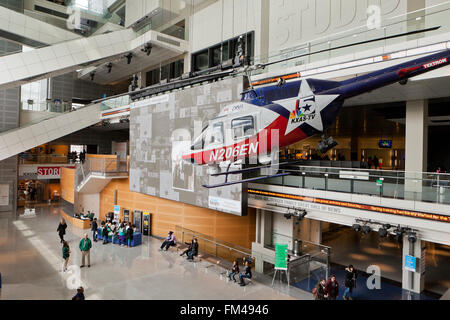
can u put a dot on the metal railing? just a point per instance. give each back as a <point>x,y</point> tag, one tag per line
<point>213,246</point>
<point>416,186</point>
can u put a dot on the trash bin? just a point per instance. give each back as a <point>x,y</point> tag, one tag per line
<point>296,248</point>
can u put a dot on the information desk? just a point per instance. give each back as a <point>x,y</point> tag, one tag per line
<point>137,238</point>
<point>76,222</point>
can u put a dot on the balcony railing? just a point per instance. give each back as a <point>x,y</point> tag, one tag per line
<point>416,186</point>
<point>100,167</point>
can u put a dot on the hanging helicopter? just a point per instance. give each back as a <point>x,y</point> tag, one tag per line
<point>288,113</point>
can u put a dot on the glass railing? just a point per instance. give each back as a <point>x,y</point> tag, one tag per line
<point>100,167</point>
<point>416,186</point>
<point>29,158</point>
<point>116,102</point>
<point>47,106</point>
<point>351,42</point>
<point>212,246</point>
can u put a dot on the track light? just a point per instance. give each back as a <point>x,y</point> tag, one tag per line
<point>356,227</point>
<point>382,232</point>
<point>109,66</point>
<point>92,75</point>
<point>129,56</point>
<point>147,48</point>
<point>365,229</point>
<point>287,215</point>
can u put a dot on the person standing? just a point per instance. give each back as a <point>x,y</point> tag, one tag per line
<point>130,232</point>
<point>105,233</point>
<point>79,295</point>
<point>94,229</point>
<point>65,255</point>
<point>332,288</point>
<point>194,250</point>
<point>350,282</point>
<point>85,247</point>
<point>62,229</point>
<point>319,290</point>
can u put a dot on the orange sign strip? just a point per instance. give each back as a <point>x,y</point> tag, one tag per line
<point>401,212</point>
<point>272,80</point>
<point>114,112</point>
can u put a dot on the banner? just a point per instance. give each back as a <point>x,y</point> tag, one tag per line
<point>116,213</point>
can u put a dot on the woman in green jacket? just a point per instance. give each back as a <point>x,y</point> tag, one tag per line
<point>66,255</point>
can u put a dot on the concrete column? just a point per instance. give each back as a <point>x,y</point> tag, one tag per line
<point>308,230</point>
<point>414,281</point>
<point>416,143</point>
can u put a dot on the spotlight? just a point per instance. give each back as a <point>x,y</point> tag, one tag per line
<point>412,237</point>
<point>365,229</point>
<point>92,74</point>
<point>109,66</point>
<point>382,232</point>
<point>387,226</point>
<point>281,82</point>
<point>356,227</point>
<point>302,214</point>
<point>287,215</point>
<point>147,48</point>
<point>129,56</point>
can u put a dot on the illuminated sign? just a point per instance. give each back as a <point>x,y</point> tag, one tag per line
<point>351,205</point>
<point>385,143</point>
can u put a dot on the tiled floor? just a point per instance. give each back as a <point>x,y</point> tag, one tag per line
<point>31,261</point>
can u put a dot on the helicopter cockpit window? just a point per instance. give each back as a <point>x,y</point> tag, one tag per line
<point>215,134</point>
<point>243,127</point>
<point>199,143</point>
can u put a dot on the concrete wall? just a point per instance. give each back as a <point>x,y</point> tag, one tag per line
<point>9,116</point>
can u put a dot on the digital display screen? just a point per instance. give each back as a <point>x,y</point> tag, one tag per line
<point>385,143</point>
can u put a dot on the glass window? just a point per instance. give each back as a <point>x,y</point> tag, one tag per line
<point>215,135</point>
<point>243,127</point>
<point>201,61</point>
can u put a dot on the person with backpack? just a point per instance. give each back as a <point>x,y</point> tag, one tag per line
<point>169,241</point>
<point>319,290</point>
<point>350,282</point>
<point>332,288</point>
<point>62,229</point>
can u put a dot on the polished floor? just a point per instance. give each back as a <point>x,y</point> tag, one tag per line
<point>31,263</point>
<point>365,250</point>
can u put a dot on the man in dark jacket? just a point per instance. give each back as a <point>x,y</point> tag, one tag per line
<point>94,229</point>
<point>79,295</point>
<point>350,282</point>
<point>332,288</point>
<point>62,229</point>
<point>247,274</point>
<point>194,250</point>
<point>320,291</point>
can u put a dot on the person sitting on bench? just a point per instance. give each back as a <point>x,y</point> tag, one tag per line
<point>170,241</point>
<point>234,271</point>
<point>247,274</point>
<point>194,250</point>
<point>188,249</point>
